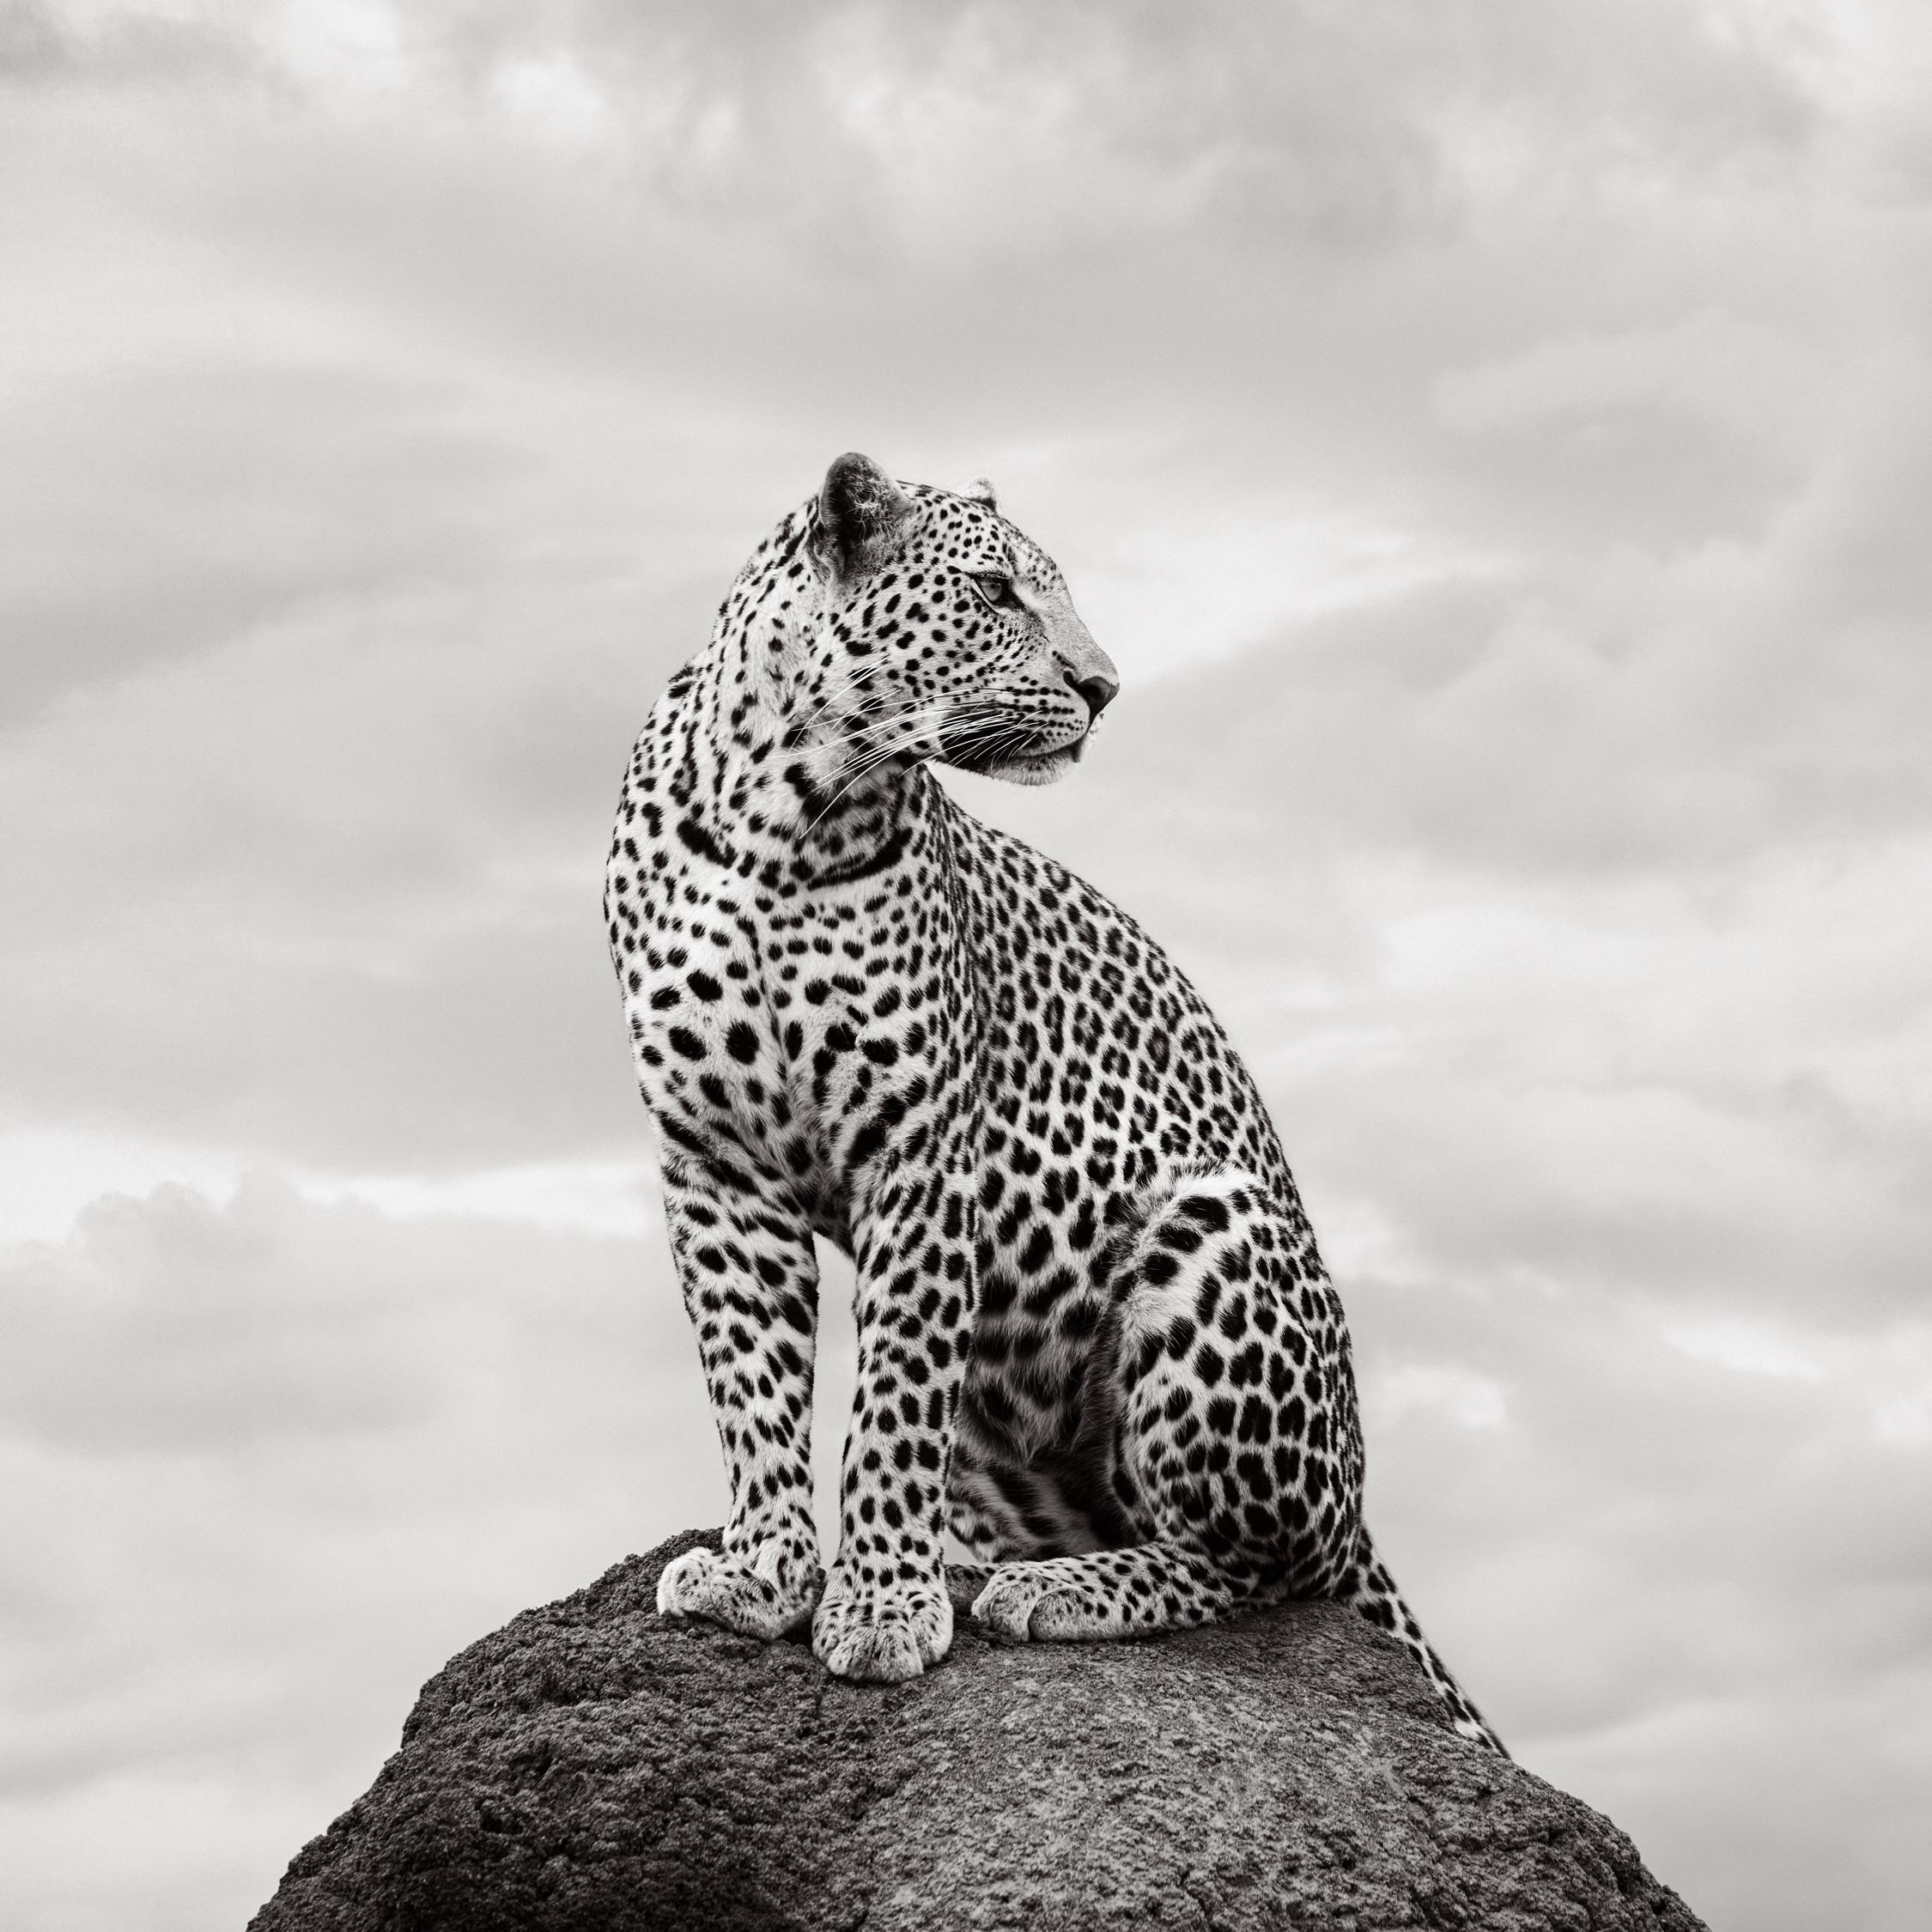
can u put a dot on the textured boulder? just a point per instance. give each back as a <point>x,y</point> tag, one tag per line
<point>594,1766</point>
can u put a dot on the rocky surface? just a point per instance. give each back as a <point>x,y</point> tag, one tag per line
<point>597,1767</point>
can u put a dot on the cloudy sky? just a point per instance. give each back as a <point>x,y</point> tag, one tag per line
<point>1494,438</point>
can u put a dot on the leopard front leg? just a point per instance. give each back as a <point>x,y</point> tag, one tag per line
<point>750,1279</point>
<point>1229,1428</point>
<point>886,1613</point>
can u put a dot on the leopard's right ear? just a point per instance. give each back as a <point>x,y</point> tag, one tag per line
<point>859,508</point>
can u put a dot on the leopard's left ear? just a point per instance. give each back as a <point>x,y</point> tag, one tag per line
<point>980,490</point>
<point>859,507</point>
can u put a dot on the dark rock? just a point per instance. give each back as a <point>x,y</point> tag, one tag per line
<point>596,1767</point>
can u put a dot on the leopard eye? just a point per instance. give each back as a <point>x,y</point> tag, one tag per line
<point>997,590</point>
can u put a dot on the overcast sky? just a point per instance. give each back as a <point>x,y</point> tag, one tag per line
<point>1494,439</point>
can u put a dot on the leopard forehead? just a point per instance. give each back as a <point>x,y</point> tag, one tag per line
<point>970,536</point>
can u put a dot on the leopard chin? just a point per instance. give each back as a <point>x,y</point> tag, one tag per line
<point>1031,767</point>
<point>1045,769</point>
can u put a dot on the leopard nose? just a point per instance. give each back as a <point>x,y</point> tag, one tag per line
<point>1097,693</point>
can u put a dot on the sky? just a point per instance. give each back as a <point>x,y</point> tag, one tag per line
<point>1494,441</point>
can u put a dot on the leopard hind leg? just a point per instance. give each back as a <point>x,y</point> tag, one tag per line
<point>1225,1422</point>
<point>1221,1410</point>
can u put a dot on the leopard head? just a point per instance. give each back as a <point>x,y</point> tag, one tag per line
<point>947,635</point>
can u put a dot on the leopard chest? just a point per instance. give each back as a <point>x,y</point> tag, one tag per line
<point>809,1033</point>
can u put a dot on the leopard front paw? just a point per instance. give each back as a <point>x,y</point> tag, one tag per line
<point>882,1633</point>
<point>771,1592</point>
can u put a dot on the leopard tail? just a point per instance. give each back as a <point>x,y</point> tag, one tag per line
<point>1369,1590</point>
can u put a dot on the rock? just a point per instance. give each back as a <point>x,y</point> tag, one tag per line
<point>597,1767</point>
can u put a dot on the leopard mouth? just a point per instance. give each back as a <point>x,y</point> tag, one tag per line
<point>1054,754</point>
<point>1040,756</point>
<point>1039,764</point>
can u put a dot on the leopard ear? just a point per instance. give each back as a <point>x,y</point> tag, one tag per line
<point>859,507</point>
<point>980,490</point>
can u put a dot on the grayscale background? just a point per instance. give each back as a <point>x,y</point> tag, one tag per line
<point>1494,438</point>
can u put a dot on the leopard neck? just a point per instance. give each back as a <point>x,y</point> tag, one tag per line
<point>742,753</point>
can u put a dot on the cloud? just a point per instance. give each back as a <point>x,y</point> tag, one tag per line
<point>44,42</point>
<point>161,1333</point>
<point>267,1466</point>
<point>1769,1848</point>
<point>1632,708</point>
<point>331,844</point>
<point>158,515</point>
<point>1706,364</point>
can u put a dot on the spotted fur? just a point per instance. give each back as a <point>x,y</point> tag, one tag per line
<point>1096,1339</point>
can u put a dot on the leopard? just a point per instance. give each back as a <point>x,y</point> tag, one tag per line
<point>1097,1348</point>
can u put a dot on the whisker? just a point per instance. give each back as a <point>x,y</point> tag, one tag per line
<point>838,688</point>
<point>915,717</point>
<point>865,767</point>
<point>886,717</point>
